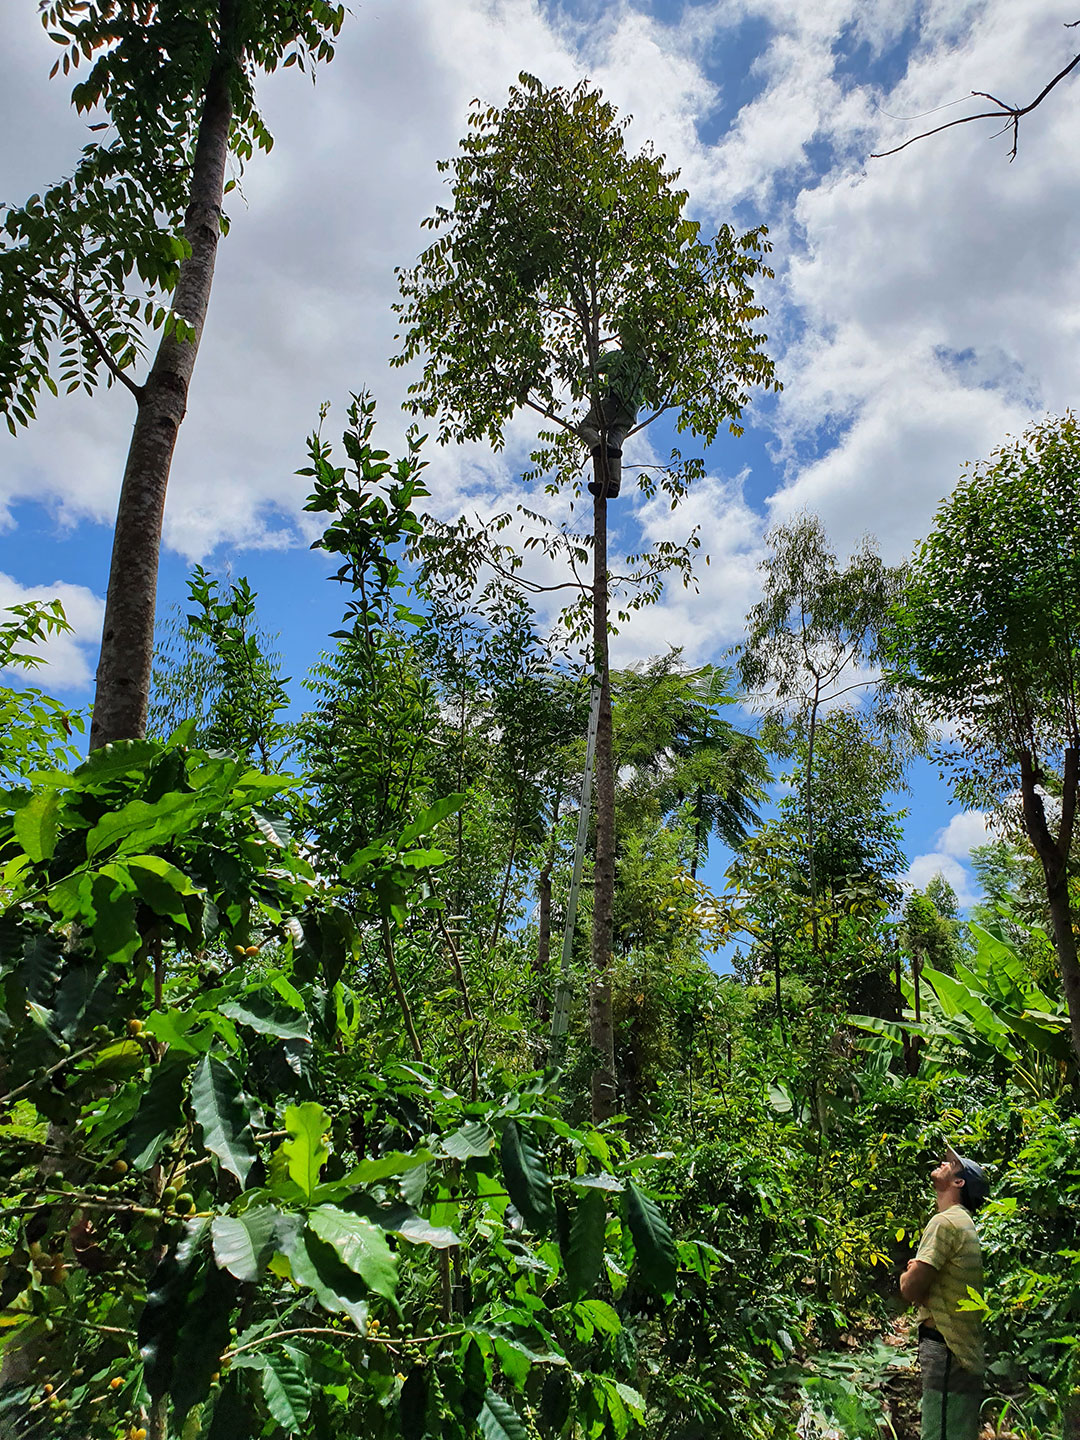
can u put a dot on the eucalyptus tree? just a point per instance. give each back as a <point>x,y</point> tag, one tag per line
<point>989,635</point>
<point>559,240</point>
<point>126,246</point>
<point>815,639</point>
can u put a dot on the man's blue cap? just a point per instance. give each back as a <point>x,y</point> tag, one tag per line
<point>976,1185</point>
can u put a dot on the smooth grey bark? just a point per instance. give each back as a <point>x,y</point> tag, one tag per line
<point>127,642</point>
<point>601,1025</point>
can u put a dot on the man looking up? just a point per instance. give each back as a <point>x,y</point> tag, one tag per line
<point>948,1261</point>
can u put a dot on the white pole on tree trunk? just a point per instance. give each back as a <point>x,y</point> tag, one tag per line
<point>561,1017</point>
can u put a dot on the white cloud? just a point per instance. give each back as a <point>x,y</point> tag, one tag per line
<point>67,658</point>
<point>963,833</point>
<point>924,867</point>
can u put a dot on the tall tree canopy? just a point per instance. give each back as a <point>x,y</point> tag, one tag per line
<point>558,242</point>
<point>989,634</point>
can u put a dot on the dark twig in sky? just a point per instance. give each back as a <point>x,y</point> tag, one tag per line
<point>1012,114</point>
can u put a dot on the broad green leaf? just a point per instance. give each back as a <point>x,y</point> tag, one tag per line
<point>140,826</point>
<point>42,961</point>
<point>223,1117</point>
<point>448,805</point>
<point>314,1263</point>
<point>267,1016</point>
<point>121,757</point>
<point>395,1162</point>
<point>360,1246</point>
<point>243,1243</point>
<point>179,1030</point>
<point>160,1113</point>
<point>304,1150</point>
<point>584,1253</point>
<point>600,1316</point>
<point>500,1421</point>
<point>609,1183</point>
<point>419,1231</point>
<point>286,1388</point>
<point>116,936</point>
<point>527,1182</point>
<point>653,1241</point>
<point>473,1141</point>
<point>161,886</point>
<point>35,825</point>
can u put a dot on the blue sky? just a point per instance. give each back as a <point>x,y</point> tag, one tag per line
<point>924,306</point>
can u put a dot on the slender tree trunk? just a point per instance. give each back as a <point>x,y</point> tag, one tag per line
<point>543,921</point>
<point>1054,856</point>
<point>811,736</point>
<point>601,1026</point>
<point>1057,896</point>
<point>127,642</point>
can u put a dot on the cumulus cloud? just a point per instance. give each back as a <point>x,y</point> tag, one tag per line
<point>924,867</point>
<point>66,658</point>
<point>964,832</point>
<point>953,846</point>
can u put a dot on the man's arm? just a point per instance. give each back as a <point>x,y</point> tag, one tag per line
<point>916,1281</point>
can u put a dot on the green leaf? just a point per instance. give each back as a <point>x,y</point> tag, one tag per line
<point>140,826</point>
<point>610,1183</point>
<point>122,757</point>
<point>360,1246</point>
<point>161,886</point>
<point>160,1113</point>
<point>243,1243</point>
<point>527,1182</point>
<point>315,1264</point>
<point>653,1241</point>
<point>35,825</point>
<point>395,1162</point>
<point>223,1116</point>
<point>116,936</point>
<point>304,1150</point>
<point>267,1017</point>
<point>584,1253</point>
<point>448,805</point>
<point>599,1315</point>
<point>286,1387</point>
<point>500,1421</point>
<point>472,1141</point>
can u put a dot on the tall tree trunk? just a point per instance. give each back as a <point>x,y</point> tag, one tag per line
<point>127,642</point>
<point>1054,857</point>
<point>543,922</point>
<point>601,1027</point>
<point>811,736</point>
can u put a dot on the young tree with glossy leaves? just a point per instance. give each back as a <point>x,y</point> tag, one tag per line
<point>558,241</point>
<point>989,636</point>
<point>126,246</point>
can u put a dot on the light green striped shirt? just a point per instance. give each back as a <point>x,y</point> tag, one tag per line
<point>950,1243</point>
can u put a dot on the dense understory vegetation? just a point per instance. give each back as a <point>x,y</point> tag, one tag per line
<point>323,1113</point>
